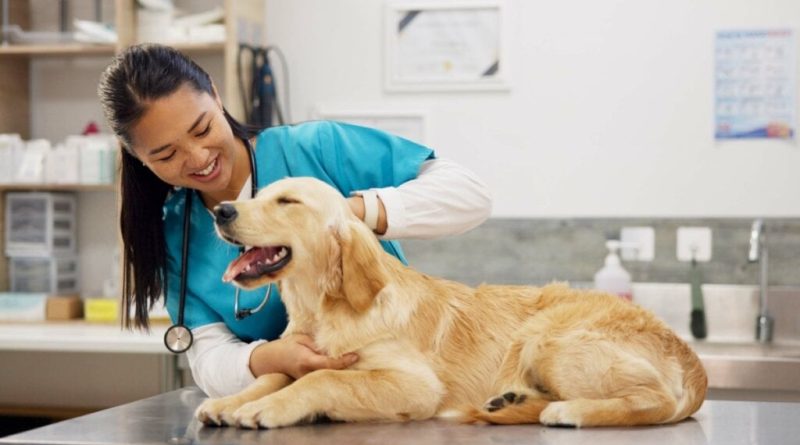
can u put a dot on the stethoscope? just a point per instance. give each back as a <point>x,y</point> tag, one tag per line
<point>179,338</point>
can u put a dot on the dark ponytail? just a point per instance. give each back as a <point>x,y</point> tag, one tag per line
<point>136,77</point>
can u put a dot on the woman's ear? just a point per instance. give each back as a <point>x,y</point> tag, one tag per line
<point>363,271</point>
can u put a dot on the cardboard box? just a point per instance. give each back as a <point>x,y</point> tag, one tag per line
<point>64,307</point>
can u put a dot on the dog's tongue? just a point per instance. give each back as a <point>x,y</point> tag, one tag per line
<point>249,258</point>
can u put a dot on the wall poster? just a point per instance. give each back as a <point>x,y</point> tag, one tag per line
<point>755,79</point>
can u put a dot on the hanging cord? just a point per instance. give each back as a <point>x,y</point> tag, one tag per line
<point>284,104</point>
<point>263,100</point>
<point>262,89</point>
<point>243,90</point>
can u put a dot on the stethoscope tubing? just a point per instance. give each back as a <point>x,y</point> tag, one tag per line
<point>178,338</point>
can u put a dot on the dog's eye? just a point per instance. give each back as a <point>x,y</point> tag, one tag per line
<point>286,200</point>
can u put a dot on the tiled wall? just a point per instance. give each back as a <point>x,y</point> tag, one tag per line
<point>536,251</point>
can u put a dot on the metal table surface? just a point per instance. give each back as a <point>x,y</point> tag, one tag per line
<point>167,419</point>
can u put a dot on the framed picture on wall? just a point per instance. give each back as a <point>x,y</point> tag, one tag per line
<point>441,45</point>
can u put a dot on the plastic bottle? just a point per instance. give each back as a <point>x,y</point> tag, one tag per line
<point>613,278</point>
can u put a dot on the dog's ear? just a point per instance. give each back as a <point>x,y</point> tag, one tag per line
<point>363,272</point>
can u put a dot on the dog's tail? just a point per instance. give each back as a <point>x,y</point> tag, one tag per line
<point>517,411</point>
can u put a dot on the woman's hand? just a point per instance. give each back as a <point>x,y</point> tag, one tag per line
<point>356,204</point>
<point>295,355</point>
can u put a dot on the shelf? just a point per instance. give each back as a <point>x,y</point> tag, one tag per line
<point>71,49</point>
<point>80,336</point>
<point>59,187</point>
<point>78,49</point>
<point>196,48</point>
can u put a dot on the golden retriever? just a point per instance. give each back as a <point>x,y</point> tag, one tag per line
<point>429,347</point>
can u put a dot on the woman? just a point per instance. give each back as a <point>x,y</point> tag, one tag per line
<point>179,142</point>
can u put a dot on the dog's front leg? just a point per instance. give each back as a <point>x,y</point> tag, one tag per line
<point>348,395</point>
<point>220,411</point>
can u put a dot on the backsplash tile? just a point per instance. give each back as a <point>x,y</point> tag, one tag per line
<point>537,251</point>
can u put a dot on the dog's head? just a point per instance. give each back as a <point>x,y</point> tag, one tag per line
<point>302,229</point>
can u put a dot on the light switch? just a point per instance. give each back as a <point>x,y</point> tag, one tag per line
<point>694,242</point>
<point>637,243</point>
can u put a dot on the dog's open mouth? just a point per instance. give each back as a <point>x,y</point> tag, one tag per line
<point>257,262</point>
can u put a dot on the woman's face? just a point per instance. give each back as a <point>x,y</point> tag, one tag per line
<point>186,141</point>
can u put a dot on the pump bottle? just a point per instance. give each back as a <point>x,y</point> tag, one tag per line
<point>613,278</point>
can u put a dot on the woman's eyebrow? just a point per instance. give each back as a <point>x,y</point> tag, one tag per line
<point>158,150</point>
<point>196,122</point>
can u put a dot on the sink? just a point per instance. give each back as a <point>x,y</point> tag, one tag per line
<point>751,367</point>
<point>783,351</point>
<point>738,367</point>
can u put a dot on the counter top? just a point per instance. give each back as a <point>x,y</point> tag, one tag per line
<point>167,419</point>
<point>80,336</point>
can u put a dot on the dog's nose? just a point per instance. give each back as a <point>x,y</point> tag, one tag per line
<point>225,213</point>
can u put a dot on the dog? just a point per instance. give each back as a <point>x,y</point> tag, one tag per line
<point>432,348</point>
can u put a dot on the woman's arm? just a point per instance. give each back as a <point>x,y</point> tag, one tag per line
<point>219,361</point>
<point>444,199</point>
<point>223,365</point>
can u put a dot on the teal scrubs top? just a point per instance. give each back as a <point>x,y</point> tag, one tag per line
<point>348,157</point>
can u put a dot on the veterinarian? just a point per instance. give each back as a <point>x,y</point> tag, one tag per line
<point>179,143</point>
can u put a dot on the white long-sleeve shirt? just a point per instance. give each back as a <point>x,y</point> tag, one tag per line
<point>444,199</point>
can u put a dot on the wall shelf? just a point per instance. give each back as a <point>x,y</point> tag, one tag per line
<point>79,49</point>
<point>66,49</point>
<point>194,48</point>
<point>58,187</point>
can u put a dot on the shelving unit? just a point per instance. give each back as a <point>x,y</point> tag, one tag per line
<point>243,20</point>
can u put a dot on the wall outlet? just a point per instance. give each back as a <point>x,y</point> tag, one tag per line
<point>637,243</point>
<point>694,242</point>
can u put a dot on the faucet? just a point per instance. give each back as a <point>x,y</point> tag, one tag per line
<point>758,253</point>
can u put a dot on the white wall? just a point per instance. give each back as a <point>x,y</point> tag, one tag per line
<point>610,111</point>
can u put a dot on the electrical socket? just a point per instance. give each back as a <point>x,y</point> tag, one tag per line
<point>637,243</point>
<point>694,242</point>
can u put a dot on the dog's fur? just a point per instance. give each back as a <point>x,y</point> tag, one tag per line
<point>429,347</point>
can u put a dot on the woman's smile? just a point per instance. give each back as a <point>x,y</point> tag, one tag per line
<point>210,172</point>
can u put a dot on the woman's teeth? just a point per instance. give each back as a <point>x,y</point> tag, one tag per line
<point>207,170</point>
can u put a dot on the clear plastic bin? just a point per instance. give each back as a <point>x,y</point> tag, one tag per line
<point>51,275</point>
<point>40,224</point>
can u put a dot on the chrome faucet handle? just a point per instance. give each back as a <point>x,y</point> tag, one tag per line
<point>756,239</point>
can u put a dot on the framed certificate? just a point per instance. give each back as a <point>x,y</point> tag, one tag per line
<point>445,45</point>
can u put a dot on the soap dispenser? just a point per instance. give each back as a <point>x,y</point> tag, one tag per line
<point>613,278</point>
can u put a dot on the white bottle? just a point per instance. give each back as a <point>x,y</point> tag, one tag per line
<point>613,278</point>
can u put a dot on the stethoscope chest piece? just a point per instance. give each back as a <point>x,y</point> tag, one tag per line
<point>178,338</point>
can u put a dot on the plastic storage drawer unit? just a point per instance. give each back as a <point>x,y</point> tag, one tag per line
<point>40,224</point>
<point>51,275</point>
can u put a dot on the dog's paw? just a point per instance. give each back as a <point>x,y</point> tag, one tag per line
<point>262,413</point>
<point>561,414</point>
<point>500,402</point>
<point>218,412</point>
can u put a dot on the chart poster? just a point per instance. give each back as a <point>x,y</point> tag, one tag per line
<point>755,78</point>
